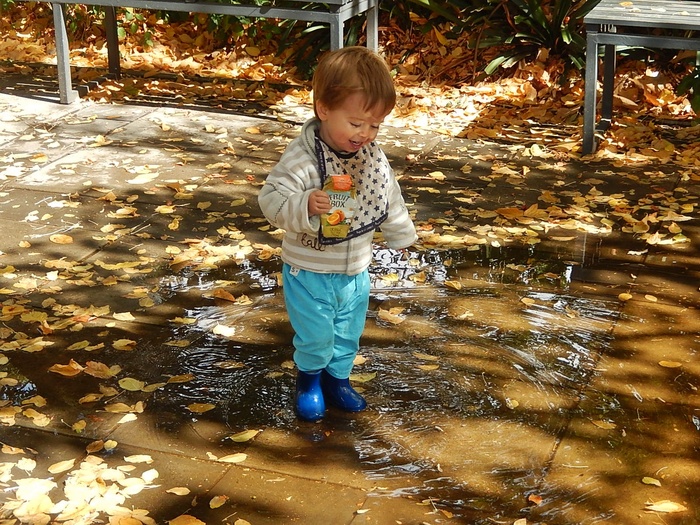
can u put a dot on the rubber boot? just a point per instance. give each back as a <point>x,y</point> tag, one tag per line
<point>340,394</point>
<point>309,404</point>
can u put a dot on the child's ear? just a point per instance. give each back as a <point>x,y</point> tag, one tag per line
<point>321,111</point>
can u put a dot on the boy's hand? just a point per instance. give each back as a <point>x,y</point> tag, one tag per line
<point>319,203</point>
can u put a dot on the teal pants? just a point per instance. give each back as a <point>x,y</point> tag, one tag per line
<point>327,312</point>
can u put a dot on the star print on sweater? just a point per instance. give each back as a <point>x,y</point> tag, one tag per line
<point>371,173</point>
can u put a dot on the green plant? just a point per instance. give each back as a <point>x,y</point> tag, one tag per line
<point>519,29</point>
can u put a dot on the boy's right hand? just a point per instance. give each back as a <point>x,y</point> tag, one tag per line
<point>319,203</point>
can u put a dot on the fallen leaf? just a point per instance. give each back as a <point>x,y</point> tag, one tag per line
<point>178,491</point>
<point>61,466</point>
<point>60,238</point>
<point>218,501</point>
<point>651,481</point>
<point>244,436</point>
<point>200,408</point>
<point>606,425</point>
<point>666,506</point>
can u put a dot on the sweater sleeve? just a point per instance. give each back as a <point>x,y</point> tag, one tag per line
<point>284,198</point>
<point>398,229</point>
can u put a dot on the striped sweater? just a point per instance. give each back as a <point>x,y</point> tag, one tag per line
<point>284,202</point>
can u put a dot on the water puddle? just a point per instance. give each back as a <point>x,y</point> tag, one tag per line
<point>470,387</point>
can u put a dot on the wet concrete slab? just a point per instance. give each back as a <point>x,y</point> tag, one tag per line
<point>522,362</point>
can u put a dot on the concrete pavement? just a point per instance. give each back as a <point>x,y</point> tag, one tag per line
<point>526,363</point>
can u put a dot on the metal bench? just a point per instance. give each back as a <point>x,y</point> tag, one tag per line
<point>333,12</point>
<point>614,23</point>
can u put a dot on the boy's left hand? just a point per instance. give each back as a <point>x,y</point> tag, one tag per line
<point>319,202</point>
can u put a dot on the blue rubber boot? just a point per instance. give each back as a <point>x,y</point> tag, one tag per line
<point>309,404</point>
<point>340,394</point>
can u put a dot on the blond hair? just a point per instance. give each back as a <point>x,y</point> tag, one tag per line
<point>351,70</point>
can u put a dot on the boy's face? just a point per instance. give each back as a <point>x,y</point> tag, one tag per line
<point>349,127</point>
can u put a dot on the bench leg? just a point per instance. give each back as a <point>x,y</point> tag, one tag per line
<point>590,90</point>
<point>110,26</point>
<point>66,93</point>
<point>373,27</point>
<point>609,65</point>
<point>337,33</point>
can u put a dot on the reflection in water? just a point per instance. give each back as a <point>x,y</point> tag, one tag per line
<point>507,367</point>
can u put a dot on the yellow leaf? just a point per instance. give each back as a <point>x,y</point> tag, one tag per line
<point>130,384</point>
<point>124,344</point>
<point>60,238</point>
<point>178,491</point>
<point>233,458</point>
<point>200,408</point>
<point>651,481</point>
<point>606,425</point>
<point>428,368</point>
<point>363,378</point>
<point>527,300</point>
<point>426,357</point>
<point>118,408</point>
<point>61,466</point>
<point>455,285</point>
<point>123,316</point>
<point>139,458</point>
<point>244,436</point>
<point>664,506</point>
<point>670,364</point>
<point>218,501</point>
<point>650,298</point>
<point>624,297</point>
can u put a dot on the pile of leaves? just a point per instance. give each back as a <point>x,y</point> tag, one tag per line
<point>435,76</point>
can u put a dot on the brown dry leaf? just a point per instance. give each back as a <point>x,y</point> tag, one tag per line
<point>182,378</point>
<point>390,317</point>
<point>220,293</point>
<point>535,499</point>
<point>71,369</point>
<point>100,370</point>
<point>61,238</point>
<point>363,377</point>
<point>95,446</point>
